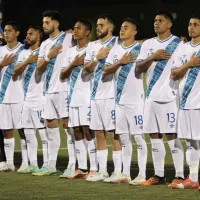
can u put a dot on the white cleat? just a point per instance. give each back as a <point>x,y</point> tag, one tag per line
<point>137,180</point>
<point>10,167</point>
<point>3,167</point>
<point>121,178</point>
<point>22,167</point>
<point>98,176</point>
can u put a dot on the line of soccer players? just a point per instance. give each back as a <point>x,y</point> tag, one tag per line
<point>96,88</point>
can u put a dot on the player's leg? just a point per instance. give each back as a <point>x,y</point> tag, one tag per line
<point>3,166</point>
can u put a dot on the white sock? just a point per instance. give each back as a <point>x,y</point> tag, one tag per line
<point>127,150</point>
<point>43,135</point>
<point>142,155</point>
<point>192,158</point>
<point>81,154</point>
<point>24,151</point>
<point>71,146</point>
<point>32,145</point>
<point>158,156</point>
<point>102,157</point>
<point>53,146</point>
<point>92,154</point>
<point>9,146</point>
<point>117,160</point>
<point>178,156</point>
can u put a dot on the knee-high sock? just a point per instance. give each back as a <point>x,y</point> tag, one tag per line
<point>24,151</point>
<point>71,146</point>
<point>158,156</point>
<point>178,156</point>
<point>192,158</point>
<point>127,150</point>
<point>9,150</point>
<point>142,155</point>
<point>102,157</point>
<point>92,154</point>
<point>43,135</point>
<point>32,145</point>
<point>2,150</point>
<point>53,135</point>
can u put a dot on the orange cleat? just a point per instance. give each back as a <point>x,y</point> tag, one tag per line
<point>155,180</point>
<point>78,174</point>
<point>186,184</point>
<point>176,181</point>
<point>90,173</point>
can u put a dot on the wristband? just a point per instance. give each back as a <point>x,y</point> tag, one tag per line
<point>95,60</point>
<point>47,58</point>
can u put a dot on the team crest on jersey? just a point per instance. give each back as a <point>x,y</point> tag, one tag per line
<point>184,59</point>
<point>150,52</point>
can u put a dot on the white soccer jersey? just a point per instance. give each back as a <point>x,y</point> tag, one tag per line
<point>189,85</point>
<point>129,88</point>
<point>101,88</point>
<point>11,90</point>
<point>53,83</point>
<point>79,86</point>
<point>160,87</point>
<point>33,84</point>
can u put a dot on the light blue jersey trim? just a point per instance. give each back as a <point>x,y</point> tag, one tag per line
<point>191,78</point>
<point>124,72</point>
<point>161,41</point>
<point>8,75</point>
<point>171,47</point>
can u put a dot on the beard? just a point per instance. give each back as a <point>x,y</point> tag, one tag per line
<point>48,32</point>
<point>102,35</point>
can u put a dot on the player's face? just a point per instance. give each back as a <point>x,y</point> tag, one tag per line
<point>127,31</point>
<point>194,28</point>
<point>102,28</point>
<point>80,31</point>
<point>32,36</point>
<point>161,24</point>
<point>48,25</point>
<point>10,33</point>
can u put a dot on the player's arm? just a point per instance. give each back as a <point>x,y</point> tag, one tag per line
<point>143,66</point>
<point>179,73</point>
<point>43,62</point>
<point>89,67</point>
<point>7,60</point>
<point>20,67</point>
<point>78,60</point>
<point>125,59</point>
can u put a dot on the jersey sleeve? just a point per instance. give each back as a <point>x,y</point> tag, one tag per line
<point>143,52</point>
<point>88,56</point>
<point>41,51</point>
<point>65,59</point>
<point>110,57</point>
<point>177,59</point>
<point>20,58</point>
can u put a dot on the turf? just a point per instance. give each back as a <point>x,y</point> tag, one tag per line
<point>25,187</point>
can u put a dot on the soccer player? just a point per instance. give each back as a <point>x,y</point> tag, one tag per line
<point>187,68</point>
<point>11,94</point>
<point>160,110</point>
<point>79,101</point>
<point>103,98</point>
<point>55,101</point>
<point>129,100</point>
<point>33,98</point>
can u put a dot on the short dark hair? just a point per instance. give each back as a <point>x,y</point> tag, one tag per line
<point>131,20</point>
<point>86,23</point>
<point>108,17</point>
<point>194,16</point>
<point>39,29</point>
<point>14,24</point>
<point>166,14</point>
<point>53,14</point>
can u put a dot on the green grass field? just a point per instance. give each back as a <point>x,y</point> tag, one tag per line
<point>25,187</point>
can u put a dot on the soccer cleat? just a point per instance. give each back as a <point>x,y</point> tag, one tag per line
<point>155,180</point>
<point>45,172</point>
<point>186,184</point>
<point>69,172</point>
<point>22,167</point>
<point>137,180</point>
<point>120,178</point>
<point>78,174</point>
<point>98,176</point>
<point>10,167</point>
<point>3,167</point>
<point>30,169</point>
<point>90,173</point>
<point>176,181</point>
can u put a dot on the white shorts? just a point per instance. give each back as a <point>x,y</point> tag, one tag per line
<point>160,117</point>
<point>103,114</point>
<point>129,119</point>
<point>10,116</point>
<point>31,115</point>
<point>79,116</point>
<point>56,106</point>
<point>189,124</point>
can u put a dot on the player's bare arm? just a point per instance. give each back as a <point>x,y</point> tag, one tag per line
<point>43,63</point>
<point>78,60</point>
<point>179,73</point>
<point>143,66</point>
<point>20,67</point>
<point>125,59</point>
